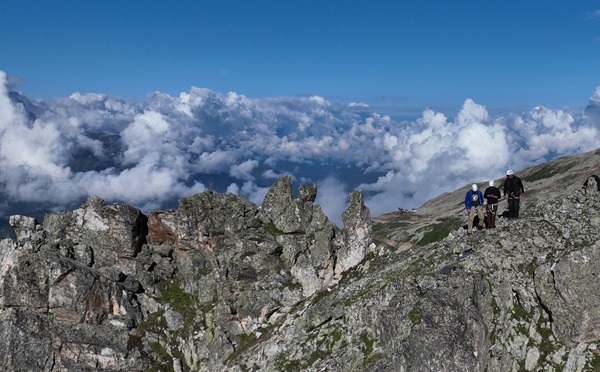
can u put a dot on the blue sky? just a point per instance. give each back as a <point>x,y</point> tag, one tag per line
<point>404,55</point>
<point>145,102</point>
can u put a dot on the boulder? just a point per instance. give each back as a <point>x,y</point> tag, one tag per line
<point>568,288</point>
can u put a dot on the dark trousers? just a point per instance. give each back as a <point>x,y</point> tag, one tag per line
<point>491,215</point>
<point>513,207</point>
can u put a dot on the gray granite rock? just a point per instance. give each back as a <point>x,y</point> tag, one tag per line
<point>221,284</point>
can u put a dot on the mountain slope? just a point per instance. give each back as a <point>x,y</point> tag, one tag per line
<point>445,213</point>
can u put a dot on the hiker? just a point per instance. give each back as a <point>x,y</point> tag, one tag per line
<point>493,196</point>
<point>513,189</point>
<point>474,206</point>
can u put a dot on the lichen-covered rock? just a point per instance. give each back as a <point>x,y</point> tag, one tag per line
<point>283,210</point>
<point>221,284</point>
<point>28,232</point>
<point>106,238</point>
<point>450,330</point>
<point>357,237</point>
<point>25,344</point>
<point>591,186</point>
<point>240,268</point>
<point>568,288</point>
<point>23,278</point>
<point>61,301</point>
<point>306,235</point>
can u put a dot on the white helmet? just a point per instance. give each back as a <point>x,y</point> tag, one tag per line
<point>474,187</point>
<point>509,172</point>
<point>491,183</point>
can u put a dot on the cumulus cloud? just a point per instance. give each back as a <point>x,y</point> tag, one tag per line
<point>332,196</point>
<point>56,153</point>
<point>433,154</point>
<point>271,174</point>
<point>591,114</point>
<point>244,170</point>
<point>357,104</point>
<point>250,190</point>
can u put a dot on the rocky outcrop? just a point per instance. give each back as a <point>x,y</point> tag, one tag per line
<point>105,287</point>
<point>221,284</point>
<point>357,225</point>
<point>66,293</point>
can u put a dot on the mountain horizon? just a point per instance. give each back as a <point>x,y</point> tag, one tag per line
<point>54,154</point>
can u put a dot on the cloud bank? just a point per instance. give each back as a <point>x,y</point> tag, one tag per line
<point>152,152</point>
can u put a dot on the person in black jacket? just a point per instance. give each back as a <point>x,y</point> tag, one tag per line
<point>513,189</point>
<point>493,196</point>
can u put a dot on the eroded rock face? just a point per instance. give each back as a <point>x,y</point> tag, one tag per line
<point>568,287</point>
<point>106,238</point>
<point>108,287</point>
<point>24,345</point>
<point>591,186</point>
<point>286,214</point>
<point>452,333</point>
<point>248,265</point>
<point>222,256</point>
<point>221,284</point>
<point>357,233</point>
<point>63,293</point>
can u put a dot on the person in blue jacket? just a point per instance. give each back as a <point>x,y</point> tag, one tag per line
<point>474,206</point>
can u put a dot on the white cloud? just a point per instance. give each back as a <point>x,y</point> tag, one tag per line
<point>141,184</point>
<point>145,152</point>
<point>271,174</point>
<point>233,188</point>
<point>244,170</point>
<point>471,113</point>
<point>595,99</point>
<point>332,196</point>
<point>253,192</point>
<point>320,100</point>
<point>11,115</point>
<point>214,162</point>
<point>591,115</point>
<point>144,136</point>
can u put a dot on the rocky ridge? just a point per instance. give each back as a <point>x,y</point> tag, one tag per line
<point>221,284</point>
<point>444,214</point>
<point>105,287</point>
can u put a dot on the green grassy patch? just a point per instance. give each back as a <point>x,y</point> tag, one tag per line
<point>325,348</point>
<point>203,272</point>
<point>547,170</point>
<point>272,229</point>
<point>388,227</point>
<point>594,363</point>
<point>292,284</point>
<point>246,341</point>
<point>416,315</point>
<point>155,322</point>
<point>158,349</point>
<point>369,345</point>
<point>546,348</point>
<point>439,230</point>
<point>181,301</point>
